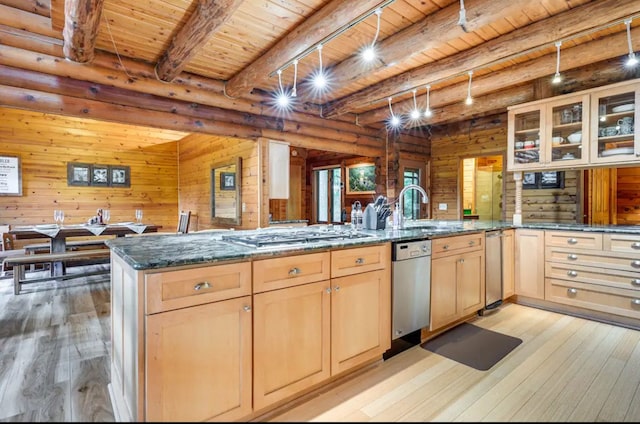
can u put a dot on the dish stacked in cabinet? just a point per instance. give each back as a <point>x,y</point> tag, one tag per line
<point>596,271</point>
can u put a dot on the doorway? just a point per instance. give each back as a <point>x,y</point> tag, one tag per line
<point>327,195</point>
<point>482,188</point>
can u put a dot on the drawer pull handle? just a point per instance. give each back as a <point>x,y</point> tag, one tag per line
<point>471,242</point>
<point>572,241</point>
<point>572,257</point>
<point>635,302</point>
<point>635,245</point>
<point>246,308</point>
<point>635,264</point>
<point>572,291</point>
<point>360,261</point>
<point>445,247</point>
<point>294,271</point>
<point>572,273</point>
<point>203,285</point>
<point>635,282</point>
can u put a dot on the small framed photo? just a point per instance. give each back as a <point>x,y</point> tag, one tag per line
<point>543,180</point>
<point>119,176</point>
<point>227,181</point>
<point>78,174</point>
<point>100,175</point>
<point>361,178</point>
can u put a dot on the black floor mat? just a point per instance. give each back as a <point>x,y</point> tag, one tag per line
<point>472,346</point>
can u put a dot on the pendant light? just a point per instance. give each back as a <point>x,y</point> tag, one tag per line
<point>415,113</point>
<point>556,77</point>
<point>469,99</point>
<point>394,121</point>
<point>632,61</point>
<point>369,53</point>
<point>427,111</point>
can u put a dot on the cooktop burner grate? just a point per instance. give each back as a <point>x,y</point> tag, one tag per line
<point>290,238</point>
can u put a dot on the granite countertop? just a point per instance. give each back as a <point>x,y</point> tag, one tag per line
<point>170,250</point>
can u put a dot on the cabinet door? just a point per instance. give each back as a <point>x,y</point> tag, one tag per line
<point>197,362</point>
<point>470,283</point>
<point>615,135</point>
<point>508,265</point>
<point>444,301</point>
<point>525,127</point>
<point>360,318</point>
<point>566,134</point>
<point>291,341</point>
<point>530,263</point>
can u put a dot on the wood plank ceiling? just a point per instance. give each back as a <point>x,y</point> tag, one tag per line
<point>225,54</point>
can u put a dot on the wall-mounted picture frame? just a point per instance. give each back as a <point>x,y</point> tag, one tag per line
<point>227,181</point>
<point>100,175</point>
<point>119,176</point>
<point>10,176</point>
<point>361,178</point>
<point>543,180</point>
<point>78,174</point>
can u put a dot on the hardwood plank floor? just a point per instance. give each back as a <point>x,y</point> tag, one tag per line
<point>55,345</point>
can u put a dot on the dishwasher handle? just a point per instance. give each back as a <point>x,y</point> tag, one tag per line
<point>494,234</point>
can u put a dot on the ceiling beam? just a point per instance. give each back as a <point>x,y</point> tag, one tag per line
<point>563,25</point>
<point>81,21</point>
<point>335,15</point>
<point>584,54</point>
<point>193,36</point>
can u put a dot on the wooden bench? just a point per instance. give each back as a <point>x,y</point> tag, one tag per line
<point>78,257</point>
<point>40,248</point>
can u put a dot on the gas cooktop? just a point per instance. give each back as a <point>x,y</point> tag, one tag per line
<point>291,238</point>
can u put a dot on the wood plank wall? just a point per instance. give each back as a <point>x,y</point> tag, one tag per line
<point>486,137</point>
<point>198,153</point>
<point>628,195</point>
<point>45,144</point>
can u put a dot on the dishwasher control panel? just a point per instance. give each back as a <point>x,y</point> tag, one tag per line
<point>411,249</point>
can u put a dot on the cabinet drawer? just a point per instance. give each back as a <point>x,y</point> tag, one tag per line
<point>196,286</point>
<point>361,259</point>
<point>457,244</point>
<point>577,239</point>
<point>597,298</point>
<point>288,271</point>
<point>610,260</point>
<point>592,275</point>
<point>627,243</point>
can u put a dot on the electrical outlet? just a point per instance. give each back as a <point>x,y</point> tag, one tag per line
<point>244,207</point>
<point>442,206</point>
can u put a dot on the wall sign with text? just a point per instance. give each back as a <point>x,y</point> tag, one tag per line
<point>10,176</point>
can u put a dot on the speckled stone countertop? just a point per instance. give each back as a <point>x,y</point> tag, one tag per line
<point>170,250</point>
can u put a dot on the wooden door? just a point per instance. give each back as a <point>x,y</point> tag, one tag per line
<point>529,263</point>
<point>291,341</point>
<point>360,318</point>
<point>602,196</point>
<point>470,283</point>
<point>508,265</point>
<point>196,363</point>
<point>444,303</point>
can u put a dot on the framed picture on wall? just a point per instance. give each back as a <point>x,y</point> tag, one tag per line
<point>119,176</point>
<point>10,176</point>
<point>100,175</point>
<point>78,174</point>
<point>361,178</point>
<point>227,181</point>
<point>543,180</point>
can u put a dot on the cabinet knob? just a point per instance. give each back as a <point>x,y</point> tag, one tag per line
<point>635,302</point>
<point>445,247</point>
<point>572,241</point>
<point>461,261</point>
<point>635,245</point>
<point>203,285</point>
<point>328,289</point>
<point>635,282</point>
<point>360,261</point>
<point>635,264</point>
<point>572,257</point>
<point>336,288</point>
<point>471,242</point>
<point>572,273</point>
<point>294,271</point>
<point>246,308</point>
<point>572,291</point>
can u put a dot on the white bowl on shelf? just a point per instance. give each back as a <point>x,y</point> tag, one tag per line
<point>557,140</point>
<point>623,108</point>
<point>575,137</point>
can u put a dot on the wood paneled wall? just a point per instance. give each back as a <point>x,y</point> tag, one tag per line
<point>486,137</point>
<point>45,144</point>
<point>197,154</point>
<point>628,196</point>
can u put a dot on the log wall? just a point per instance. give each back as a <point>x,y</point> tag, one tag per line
<point>46,143</point>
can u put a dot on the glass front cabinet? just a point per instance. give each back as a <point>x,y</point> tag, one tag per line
<point>548,134</point>
<point>615,136</point>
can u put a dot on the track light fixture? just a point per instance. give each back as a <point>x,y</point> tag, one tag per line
<point>469,99</point>
<point>319,79</point>
<point>632,61</point>
<point>556,77</point>
<point>294,91</point>
<point>282,99</point>
<point>369,53</point>
<point>427,111</point>
<point>462,21</point>
<point>415,113</point>
<point>394,121</point>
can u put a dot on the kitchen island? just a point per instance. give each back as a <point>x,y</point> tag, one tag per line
<point>205,328</point>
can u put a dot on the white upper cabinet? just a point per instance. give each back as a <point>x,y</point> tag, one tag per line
<point>278,170</point>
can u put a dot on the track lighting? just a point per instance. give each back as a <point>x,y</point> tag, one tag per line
<point>394,121</point>
<point>415,113</point>
<point>369,53</point>
<point>556,77</point>
<point>469,99</point>
<point>294,91</point>
<point>632,61</point>
<point>319,79</point>
<point>282,99</point>
<point>427,111</point>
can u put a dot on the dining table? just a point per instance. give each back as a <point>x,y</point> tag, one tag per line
<point>58,234</point>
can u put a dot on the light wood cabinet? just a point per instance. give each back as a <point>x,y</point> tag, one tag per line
<point>457,278</point>
<point>508,264</point>
<point>529,263</point>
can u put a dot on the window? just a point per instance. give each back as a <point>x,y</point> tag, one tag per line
<point>328,199</point>
<point>411,204</point>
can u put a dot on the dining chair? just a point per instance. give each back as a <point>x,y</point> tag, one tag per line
<point>8,249</point>
<point>183,222</point>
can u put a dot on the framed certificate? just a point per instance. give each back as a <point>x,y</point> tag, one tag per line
<point>10,176</point>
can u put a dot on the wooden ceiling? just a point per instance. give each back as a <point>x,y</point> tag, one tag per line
<point>229,51</point>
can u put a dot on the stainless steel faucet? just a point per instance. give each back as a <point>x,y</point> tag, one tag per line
<point>425,199</point>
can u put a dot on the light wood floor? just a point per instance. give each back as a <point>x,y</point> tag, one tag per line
<point>54,366</point>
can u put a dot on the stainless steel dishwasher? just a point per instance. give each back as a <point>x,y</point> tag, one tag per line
<point>411,281</point>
